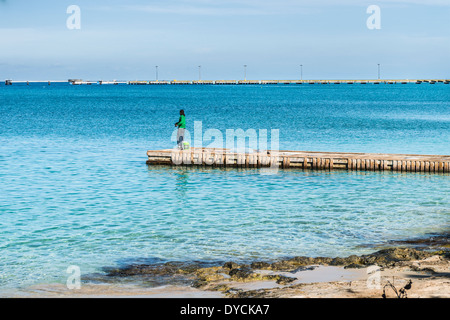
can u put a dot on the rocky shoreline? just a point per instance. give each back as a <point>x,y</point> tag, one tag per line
<point>414,267</point>
<point>426,258</point>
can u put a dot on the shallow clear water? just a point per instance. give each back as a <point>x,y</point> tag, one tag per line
<point>75,189</point>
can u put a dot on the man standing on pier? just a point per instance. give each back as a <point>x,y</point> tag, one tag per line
<point>181,124</point>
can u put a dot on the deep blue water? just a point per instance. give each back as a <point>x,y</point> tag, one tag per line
<point>75,189</point>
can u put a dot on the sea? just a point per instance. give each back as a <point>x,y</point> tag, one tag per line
<point>75,189</point>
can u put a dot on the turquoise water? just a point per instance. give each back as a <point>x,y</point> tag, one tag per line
<point>75,189</point>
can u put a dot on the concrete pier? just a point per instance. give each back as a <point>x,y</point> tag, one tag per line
<point>28,82</point>
<point>301,159</point>
<point>287,82</point>
<point>231,82</point>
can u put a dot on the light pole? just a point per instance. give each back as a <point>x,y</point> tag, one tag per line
<point>156,71</point>
<point>301,72</point>
<point>378,71</point>
<point>245,72</point>
<point>199,73</point>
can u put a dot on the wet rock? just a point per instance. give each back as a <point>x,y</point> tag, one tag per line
<point>303,268</point>
<point>285,280</point>
<point>322,260</point>
<point>234,293</point>
<point>260,265</point>
<point>443,253</point>
<point>354,266</point>
<point>210,274</point>
<point>282,266</point>
<point>303,261</point>
<point>241,273</point>
<point>307,261</point>
<point>221,287</point>
<point>198,283</point>
<point>230,265</point>
<point>417,268</point>
<point>206,276</point>
<point>388,257</point>
<point>346,261</point>
<point>353,259</point>
<point>338,261</point>
<point>239,293</point>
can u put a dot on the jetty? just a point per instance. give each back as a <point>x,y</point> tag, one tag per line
<point>310,160</point>
<point>227,82</point>
<point>306,82</point>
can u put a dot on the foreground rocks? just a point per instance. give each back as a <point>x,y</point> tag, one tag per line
<point>426,278</point>
<point>222,277</point>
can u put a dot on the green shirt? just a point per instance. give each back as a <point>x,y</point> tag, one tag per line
<point>182,122</point>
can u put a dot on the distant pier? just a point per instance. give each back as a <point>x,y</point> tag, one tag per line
<point>264,82</point>
<point>301,160</point>
<point>228,82</point>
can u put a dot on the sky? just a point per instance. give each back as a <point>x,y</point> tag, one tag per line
<point>125,40</point>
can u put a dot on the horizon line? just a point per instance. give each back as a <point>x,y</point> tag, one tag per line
<point>219,80</point>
